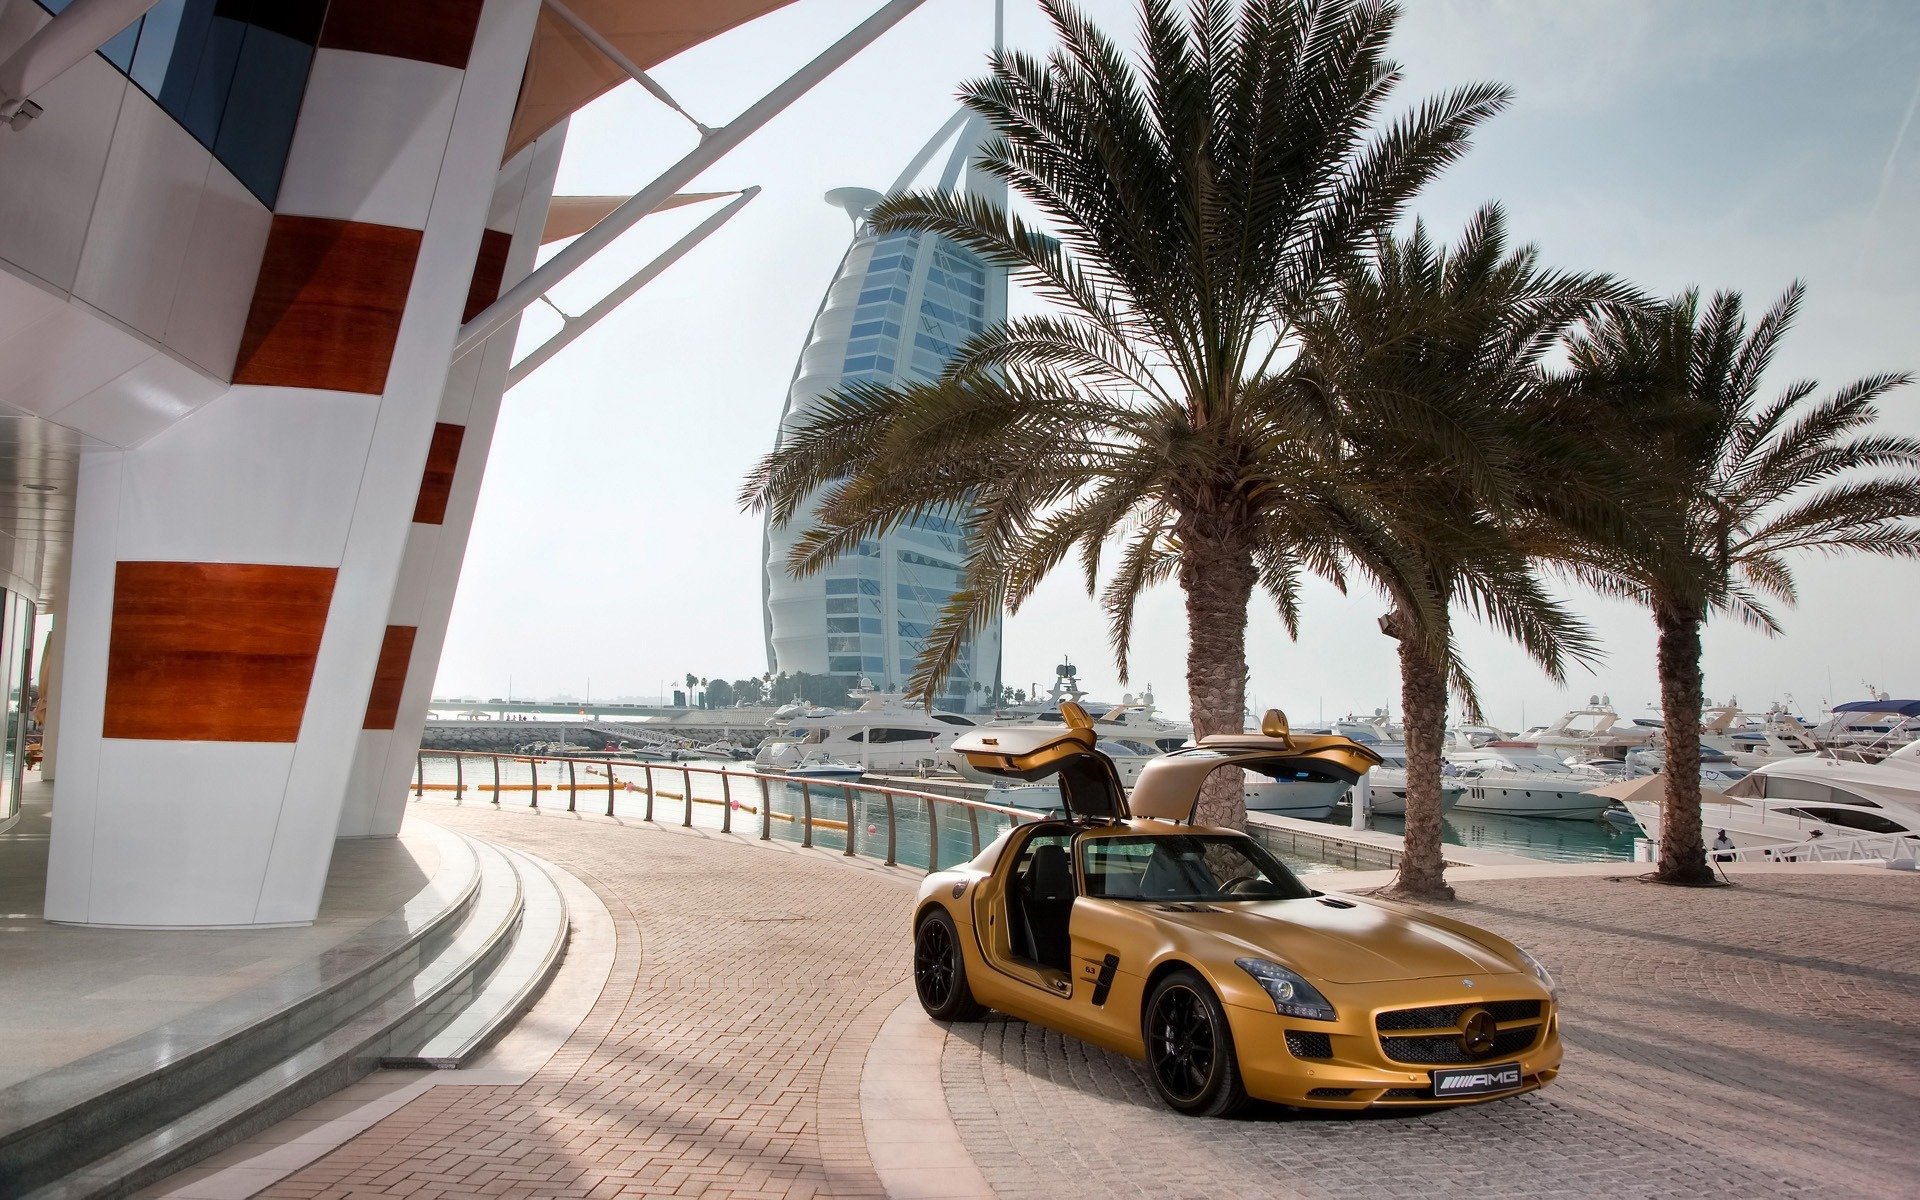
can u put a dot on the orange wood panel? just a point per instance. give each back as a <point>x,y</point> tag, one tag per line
<point>326,310</point>
<point>436,482</point>
<point>213,652</point>
<point>488,270</point>
<point>434,31</point>
<point>396,651</point>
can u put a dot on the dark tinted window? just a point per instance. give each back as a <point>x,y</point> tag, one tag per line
<point>231,72</point>
<point>1186,868</point>
<point>1870,822</point>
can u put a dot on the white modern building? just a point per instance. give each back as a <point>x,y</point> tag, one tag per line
<point>261,267</point>
<point>899,307</point>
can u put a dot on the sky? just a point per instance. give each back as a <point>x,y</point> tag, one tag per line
<point>1736,144</point>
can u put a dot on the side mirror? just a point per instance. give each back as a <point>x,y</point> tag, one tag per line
<point>1274,725</point>
<point>1075,716</point>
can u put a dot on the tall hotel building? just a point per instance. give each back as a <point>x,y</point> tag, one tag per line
<point>899,307</point>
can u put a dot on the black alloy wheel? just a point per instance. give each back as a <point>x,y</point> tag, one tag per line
<point>1190,1048</point>
<point>940,970</point>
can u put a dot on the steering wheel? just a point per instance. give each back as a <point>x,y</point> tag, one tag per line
<point>1239,884</point>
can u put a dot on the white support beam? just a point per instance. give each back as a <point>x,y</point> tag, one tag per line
<point>614,55</point>
<point>75,32</point>
<point>573,327</point>
<point>710,150</point>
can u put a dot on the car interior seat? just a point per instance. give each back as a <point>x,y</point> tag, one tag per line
<point>1176,871</point>
<point>1050,905</point>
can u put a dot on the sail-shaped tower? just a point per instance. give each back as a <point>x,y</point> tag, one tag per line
<point>899,307</point>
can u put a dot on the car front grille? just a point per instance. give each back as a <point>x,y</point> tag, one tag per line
<point>1438,1039</point>
<point>1445,1048</point>
<point>1449,1014</point>
<point>1305,1044</point>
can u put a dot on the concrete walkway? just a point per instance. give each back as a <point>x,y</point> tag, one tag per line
<point>756,1037</point>
<point>723,1058</point>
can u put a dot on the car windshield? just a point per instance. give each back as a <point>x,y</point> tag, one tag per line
<point>1185,868</point>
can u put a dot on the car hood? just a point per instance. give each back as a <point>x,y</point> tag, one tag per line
<point>1342,941</point>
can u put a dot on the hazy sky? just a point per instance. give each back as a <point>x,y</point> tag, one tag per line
<point>1736,144</point>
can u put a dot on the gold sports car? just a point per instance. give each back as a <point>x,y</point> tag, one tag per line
<point>1195,949</point>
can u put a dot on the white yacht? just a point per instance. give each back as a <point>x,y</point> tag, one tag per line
<point>1519,779</point>
<point>886,733</point>
<point>1750,742</point>
<point>1128,757</point>
<point>1387,783</point>
<point>1869,729</point>
<point>1369,730</point>
<point>1473,737</point>
<point>1717,768</point>
<point>1595,731</point>
<point>1305,793</point>
<point>1131,720</point>
<point>1787,801</point>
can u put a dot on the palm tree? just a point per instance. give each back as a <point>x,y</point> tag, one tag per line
<point>1432,359</point>
<point>1195,207</point>
<point>1736,488</point>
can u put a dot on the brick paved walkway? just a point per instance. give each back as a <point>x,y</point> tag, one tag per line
<point>1753,1041</point>
<point>723,1058</point>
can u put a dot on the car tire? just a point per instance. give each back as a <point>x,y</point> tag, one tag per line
<point>1190,1053</point>
<point>940,970</point>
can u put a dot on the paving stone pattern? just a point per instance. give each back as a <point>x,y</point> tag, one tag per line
<point>1751,1041</point>
<point>723,1059</point>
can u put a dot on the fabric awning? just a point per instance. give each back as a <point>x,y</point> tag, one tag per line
<point>564,72</point>
<point>1904,708</point>
<point>571,216</point>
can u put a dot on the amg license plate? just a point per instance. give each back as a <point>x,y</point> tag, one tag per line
<point>1475,1081</point>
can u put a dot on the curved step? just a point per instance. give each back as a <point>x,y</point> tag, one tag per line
<point>419,1005</point>
<point>59,1121</point>
<point>514,983</point>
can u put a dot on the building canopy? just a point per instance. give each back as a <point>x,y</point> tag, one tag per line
<point>564,72</point>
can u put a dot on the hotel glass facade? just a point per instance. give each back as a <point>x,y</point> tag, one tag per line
<point>899,309</point>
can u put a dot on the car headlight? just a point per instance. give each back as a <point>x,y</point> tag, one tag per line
<point>1541,973</point>
<point>1292,996</point>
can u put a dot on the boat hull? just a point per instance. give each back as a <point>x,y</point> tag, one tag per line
<point>1391,801</point>
<point>1308,800</point>
<point>1519,800</point>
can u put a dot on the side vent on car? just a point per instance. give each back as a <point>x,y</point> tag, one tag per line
<point>1305,1044</point>
<point>1103,982</point>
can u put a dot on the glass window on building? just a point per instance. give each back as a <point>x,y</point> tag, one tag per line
<point>231,72</point>
<point>16,645</point>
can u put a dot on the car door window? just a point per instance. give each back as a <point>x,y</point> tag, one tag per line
<point>1186,868</point>
<point>1040,897</point>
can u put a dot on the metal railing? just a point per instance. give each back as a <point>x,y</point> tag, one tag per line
<point>1880,847</point>
<point>916,828</point>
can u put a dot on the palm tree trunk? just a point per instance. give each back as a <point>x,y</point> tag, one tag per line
<point>1683,856</point>
<point>1423,714</point>
<point>1217,574</point>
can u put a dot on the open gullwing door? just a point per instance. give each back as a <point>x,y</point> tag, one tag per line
<point>1169,787</point>
<point>1090,788</point>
